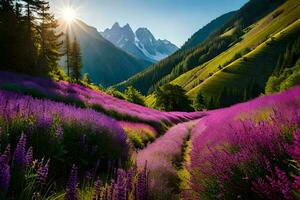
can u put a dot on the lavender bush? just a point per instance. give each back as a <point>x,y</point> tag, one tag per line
<point>85,97</point>
<point>64,134</point>
<point>248,151</point>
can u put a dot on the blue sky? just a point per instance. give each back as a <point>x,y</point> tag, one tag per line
<point>175,20</point>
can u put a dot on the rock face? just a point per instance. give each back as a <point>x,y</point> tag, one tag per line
<point>142,44</point>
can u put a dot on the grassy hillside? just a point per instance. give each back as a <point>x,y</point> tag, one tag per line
<point>223,38</point>
<point>227,69</point>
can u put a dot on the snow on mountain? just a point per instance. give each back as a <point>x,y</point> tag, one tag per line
<point>141,43</point>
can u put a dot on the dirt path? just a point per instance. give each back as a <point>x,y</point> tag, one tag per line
<point>162,156</point>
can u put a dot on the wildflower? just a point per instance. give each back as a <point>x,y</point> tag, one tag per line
<point>121,185</point>
<point>19,155</point>
<point>71,193</point>
<point>295,149</point>
<point>5,169</point>
<point>29,157</point>
<point>296,184</point>
<point>97,195</point>
<point>42,173</point>
<point>59,132</point>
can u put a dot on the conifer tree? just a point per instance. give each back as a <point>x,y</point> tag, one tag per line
<point>49,41</point>
<point>76,60</point>
<point>8,25</point>
<point>68,51</point>
<point>211,103</point>
<point>199,103</point>
<point>29,56</point>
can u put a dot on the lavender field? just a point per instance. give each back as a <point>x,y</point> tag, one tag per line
<point>61,150</point>
<point>85,97</point>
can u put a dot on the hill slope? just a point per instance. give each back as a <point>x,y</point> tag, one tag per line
<point>207,30</point>
<point>238,70</point>
<point>106,63</point>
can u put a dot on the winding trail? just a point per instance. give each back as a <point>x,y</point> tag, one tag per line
<point>162,156</point>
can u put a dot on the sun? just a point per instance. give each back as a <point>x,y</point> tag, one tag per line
<point>69,14</point>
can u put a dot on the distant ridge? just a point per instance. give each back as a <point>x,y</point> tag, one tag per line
<point>141,43</point>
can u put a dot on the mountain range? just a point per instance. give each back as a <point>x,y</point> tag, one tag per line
<point>103,61</point>
<point>141,43</point>
<point>235,56</point>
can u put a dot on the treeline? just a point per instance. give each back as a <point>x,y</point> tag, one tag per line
<point>287,71</point>
<point>227,97</point>
<point>30,42</point>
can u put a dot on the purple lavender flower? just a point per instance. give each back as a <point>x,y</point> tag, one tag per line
<point>29,157</point>
<point>295,149</point>
<point>59,132</point>
<point>42,173</point>
<point>5,157</point>
<point>1,134</point>
<point>97,195</point>
<point>296,184</point>
<point>141,187</point>
<point>121,185</point>
<point>71,193</point>
<point>19,155</point>
<point>5,169</point>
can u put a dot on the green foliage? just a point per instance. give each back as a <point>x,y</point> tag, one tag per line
<point>58,74</point>
<point>134,96</point>
<point>115,93</point>
<point>286,73</point>
<point>86,78</point>
<point>172,98</point>
<point>199,103</point>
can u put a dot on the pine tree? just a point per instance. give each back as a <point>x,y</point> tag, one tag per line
<point>199,103</point>
<point>211,104</point>
<point>29,56</point>
<point>68,51</point>
<point>8,28</point>
<point>49,41</point>
<point>76,60</point>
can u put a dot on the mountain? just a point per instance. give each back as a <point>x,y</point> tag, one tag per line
<point>145,79</point>
<point>142,44</point>
<point>207,30</point>
<point>236,59</point>
<point>105,63</point>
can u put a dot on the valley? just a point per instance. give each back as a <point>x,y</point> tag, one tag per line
<point>121,115</point>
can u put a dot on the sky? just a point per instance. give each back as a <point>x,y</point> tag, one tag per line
<point>174,20</point>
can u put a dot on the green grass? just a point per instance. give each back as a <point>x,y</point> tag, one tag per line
<point>204,76</point>
<point>256,66</point>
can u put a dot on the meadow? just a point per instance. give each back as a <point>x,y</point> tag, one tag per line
<point>81,96</point>
<point>55,150</point>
